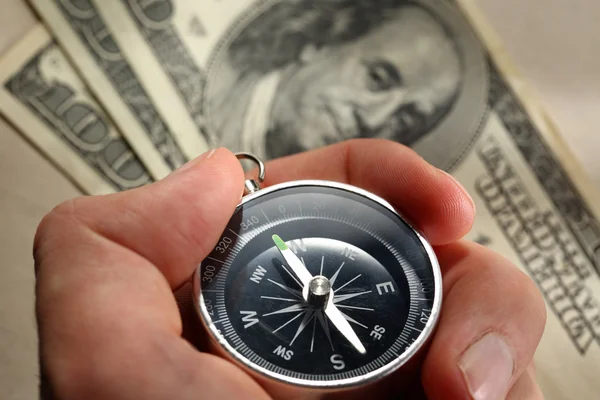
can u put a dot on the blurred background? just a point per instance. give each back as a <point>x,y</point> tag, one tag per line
<point>553,43</point>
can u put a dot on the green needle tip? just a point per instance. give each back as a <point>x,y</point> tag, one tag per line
<point>280,243</point>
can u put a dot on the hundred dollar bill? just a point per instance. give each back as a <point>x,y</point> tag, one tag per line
<point>44,98</point>
<point>277,77</point>
<point>89,44</point>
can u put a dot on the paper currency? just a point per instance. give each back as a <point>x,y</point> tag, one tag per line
<point>277,77</point>
<point>43,96</point>
<point>162,146</point>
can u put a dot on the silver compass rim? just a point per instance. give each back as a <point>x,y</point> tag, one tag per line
<point>346,383</point>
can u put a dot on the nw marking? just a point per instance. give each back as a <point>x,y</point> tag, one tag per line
<point>258,274</point>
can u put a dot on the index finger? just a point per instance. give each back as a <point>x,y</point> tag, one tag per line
<point>429,197</point>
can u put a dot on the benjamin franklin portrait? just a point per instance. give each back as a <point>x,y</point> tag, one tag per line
<point>302,74</point>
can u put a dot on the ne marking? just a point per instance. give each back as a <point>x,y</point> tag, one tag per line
<point>215,260</point>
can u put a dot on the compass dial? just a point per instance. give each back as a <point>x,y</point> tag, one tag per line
<point>319,285</point>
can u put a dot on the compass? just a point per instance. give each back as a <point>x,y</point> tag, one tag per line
<point>318,287</point>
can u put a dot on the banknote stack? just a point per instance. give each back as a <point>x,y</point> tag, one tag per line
<point>119,93</point>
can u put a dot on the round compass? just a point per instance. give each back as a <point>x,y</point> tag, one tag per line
<point>318,286</point>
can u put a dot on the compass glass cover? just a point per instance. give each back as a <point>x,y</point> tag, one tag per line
<point>380,274</point>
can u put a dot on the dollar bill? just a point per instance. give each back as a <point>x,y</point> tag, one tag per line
<point>277,77</point>
<point>89,44</point>
<point>45,99</point>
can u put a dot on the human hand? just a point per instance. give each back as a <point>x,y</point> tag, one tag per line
<point>107,268</point>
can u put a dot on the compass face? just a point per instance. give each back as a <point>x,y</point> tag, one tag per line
<point>319,285</point>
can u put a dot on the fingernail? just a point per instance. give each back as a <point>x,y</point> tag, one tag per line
<point>487,367</point>
<point>195,161</point>
<point>461,187</point>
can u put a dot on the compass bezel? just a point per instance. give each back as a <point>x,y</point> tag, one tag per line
<point>354,381</point>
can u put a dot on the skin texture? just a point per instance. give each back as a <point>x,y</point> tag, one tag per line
<point>352,90</point>
<point>107,268</point>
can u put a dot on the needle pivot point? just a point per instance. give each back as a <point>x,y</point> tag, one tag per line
<point>319,289</point>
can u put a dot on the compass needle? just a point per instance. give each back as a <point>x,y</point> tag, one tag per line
<point>362,315</point>
<point>331,311</point>
<point>344,327</point>
<point>293,261</point>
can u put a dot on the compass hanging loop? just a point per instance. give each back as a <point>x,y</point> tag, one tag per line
<point>252,185</point>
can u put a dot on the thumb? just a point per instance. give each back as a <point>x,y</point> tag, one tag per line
<point>173,223</point>
<point>108,324</point>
